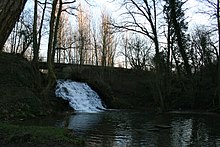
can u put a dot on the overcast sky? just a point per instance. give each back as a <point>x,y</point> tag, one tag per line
<point>193,16</point>
<point>112,7</point>
<point>97,6</point>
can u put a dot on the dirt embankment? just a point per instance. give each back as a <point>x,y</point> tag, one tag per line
<point>20,89</point>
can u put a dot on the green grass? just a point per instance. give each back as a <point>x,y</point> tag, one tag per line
<point>17,134</point>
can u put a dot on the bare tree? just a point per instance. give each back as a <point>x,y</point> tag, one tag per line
<point>218,22</point>
<point>10,11</point>
<point>203,51</point>
<point>125,46</point>
<point>213,10</point>
<point>95,44</point>
<point>175,8</point>
<point>143,19</point>
<point>65,40</point>
<point>37,30</point>
<point>83,35</point>
<point>138,52</point>
<point>50,52</point>
<point>57,9</point>
<point>108,42</point>
<point>21,36</point>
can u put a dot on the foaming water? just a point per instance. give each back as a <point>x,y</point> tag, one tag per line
<point>80,96</point>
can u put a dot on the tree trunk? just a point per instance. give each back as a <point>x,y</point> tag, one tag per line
<point>96,50</point>
<point>56,30</point>
<point>218,21</point>
<point>179,37</point>
<point>51,74</point>
<point>35,45</point>
<point>10,11</point>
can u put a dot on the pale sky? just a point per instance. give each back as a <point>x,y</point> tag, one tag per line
<point>192,14</point>
<point>113,9</point>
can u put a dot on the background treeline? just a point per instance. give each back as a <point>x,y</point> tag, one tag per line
<point>152,35</point>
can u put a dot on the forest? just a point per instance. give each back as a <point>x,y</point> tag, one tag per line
<point>151,36</point>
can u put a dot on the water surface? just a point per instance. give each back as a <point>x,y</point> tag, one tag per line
<point>133,128</point>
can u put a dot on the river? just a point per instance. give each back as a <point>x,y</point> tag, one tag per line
<point>122,128</point>
<point>118,128</point>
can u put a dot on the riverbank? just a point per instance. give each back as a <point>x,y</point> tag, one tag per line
<point>36,136</point>
<point>137,89</point>
<point>119,88</point>
<point>21,95</point>
<point>20,99</point>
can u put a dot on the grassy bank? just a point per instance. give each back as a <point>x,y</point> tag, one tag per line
<point>36,136</point>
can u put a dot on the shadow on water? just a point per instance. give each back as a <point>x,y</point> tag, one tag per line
<point>130,128</point>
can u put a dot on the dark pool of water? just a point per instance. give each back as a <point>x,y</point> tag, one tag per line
<point>131,128</point>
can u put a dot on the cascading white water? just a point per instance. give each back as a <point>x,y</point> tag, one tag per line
<point>80,96</point>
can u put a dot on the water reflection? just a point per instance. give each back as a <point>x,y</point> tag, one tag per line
<point>181,132</point>
<point>83,122</point>
<point>125,128</point>
<point>193,131</point>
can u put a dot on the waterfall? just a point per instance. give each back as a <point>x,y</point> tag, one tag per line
<point>80,96</point>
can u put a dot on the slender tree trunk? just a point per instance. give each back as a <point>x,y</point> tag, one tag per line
<point>82,50</point>
<point>41,26</point>
<point>218,21</point>
<point>168,49</point>
<point>126,48</point>
<point>37,34</point>
<point>35,46</point>
<point>10,11</point>
<point>96,50</point>
<point>56,29</point>
<point>179,37</point>
<point>51,74</point>
<point>153,23</point>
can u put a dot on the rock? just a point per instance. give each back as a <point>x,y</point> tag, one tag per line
<point>154,129</point>
<point>162,126</point>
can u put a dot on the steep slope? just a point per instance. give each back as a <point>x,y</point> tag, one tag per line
<point>19,88</point>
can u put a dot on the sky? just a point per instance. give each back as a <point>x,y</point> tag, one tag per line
<point>193,16</point>
<point>97,6</point>
<point>112,7</point>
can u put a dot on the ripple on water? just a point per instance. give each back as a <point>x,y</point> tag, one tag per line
<point>128,128</point>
